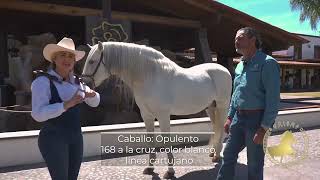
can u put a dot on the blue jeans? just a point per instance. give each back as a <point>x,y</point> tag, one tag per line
<point>61,152</point>
<point>242,131</point>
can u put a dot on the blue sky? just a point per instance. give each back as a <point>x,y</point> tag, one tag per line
<point>275,12</point>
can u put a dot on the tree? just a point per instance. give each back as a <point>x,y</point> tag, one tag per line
<point>310,9</point>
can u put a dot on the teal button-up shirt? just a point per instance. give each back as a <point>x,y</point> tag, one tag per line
<point>257,86</point>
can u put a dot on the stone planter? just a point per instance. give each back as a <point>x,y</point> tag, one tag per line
<point>17,118</point>
<point>23,97</point>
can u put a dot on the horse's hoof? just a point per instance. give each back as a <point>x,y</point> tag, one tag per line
<point>211,154</point>
<point>148,171</point>
<point>216,159</point>
<point>168,175</point>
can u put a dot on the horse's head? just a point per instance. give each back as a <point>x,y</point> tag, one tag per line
<point>94,70</point>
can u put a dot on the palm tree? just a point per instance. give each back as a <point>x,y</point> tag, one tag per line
<point>310,9</point>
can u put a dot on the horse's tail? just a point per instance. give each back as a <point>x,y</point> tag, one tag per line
<point>222,83</point>
<point>217,116</point>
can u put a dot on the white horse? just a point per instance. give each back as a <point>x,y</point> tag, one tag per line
<point>162,88</point>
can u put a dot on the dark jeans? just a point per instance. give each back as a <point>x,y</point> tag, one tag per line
<point>242,131</point>
<point>62,153</point>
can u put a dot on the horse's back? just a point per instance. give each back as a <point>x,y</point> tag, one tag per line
<point>190,90</point>
<point>220,77</point>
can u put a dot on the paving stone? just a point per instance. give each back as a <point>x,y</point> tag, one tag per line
<point>307,169</point>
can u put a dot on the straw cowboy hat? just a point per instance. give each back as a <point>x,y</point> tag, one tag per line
<point>66,44</point>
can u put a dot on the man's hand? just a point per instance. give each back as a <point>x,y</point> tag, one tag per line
<point>90,93</point>
<point>76,99</point>
<point>227,125</point>
<point>259,136</point>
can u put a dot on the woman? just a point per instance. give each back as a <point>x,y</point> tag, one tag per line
<point>55,99</point>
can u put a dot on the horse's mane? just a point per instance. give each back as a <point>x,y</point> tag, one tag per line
<point>136,61</point>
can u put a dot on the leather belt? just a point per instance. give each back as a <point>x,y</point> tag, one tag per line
<point>248,111</point>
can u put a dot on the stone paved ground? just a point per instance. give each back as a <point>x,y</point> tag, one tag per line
<point>306,169</point>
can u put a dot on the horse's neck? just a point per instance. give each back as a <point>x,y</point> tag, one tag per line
<point>133,68</point>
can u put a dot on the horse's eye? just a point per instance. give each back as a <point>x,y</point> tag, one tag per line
<point>91,62</point>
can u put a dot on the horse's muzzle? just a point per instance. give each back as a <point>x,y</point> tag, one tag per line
<point>88,81</point>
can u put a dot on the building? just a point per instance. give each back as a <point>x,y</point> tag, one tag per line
<point>310,50</point>
<point>205,25</point>
<point>172,27</point>
<point>301,71</point>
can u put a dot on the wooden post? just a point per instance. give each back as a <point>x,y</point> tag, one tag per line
<point>283,76</point>
<point>93,21</point>
<point>307,78</point>
<point>297,51</point>
<point>90,22</point>
<point>4,66</point>
<point>127,26</point>
<point>202,49</point>
<point>97,26</point>
<point>106,10</point>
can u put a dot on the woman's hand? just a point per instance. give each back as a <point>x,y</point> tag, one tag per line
<point>90,93</point>
<point>76,99</point>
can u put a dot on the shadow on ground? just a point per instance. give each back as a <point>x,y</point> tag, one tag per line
<point>211,174</point>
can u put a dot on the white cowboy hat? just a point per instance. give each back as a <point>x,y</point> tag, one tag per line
<point>66,44</point>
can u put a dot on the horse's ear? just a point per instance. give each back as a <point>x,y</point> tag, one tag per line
<point>89,46</point>
<point>100,46</point>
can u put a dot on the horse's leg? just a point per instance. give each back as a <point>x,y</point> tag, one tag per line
<point>212,113</point>
<point>164,122</point>
<point>217,116</point>
<point>149,123</point>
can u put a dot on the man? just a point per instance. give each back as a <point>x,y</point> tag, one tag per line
<point>253,107</point>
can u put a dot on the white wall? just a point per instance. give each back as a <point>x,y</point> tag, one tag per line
<point>21,148</point>
<point>308,48</point>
